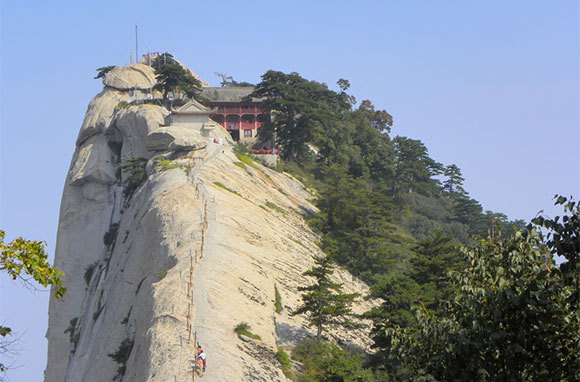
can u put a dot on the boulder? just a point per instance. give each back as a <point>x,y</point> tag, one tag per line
<point>100,113</point>
<point>134,125</point>
<point>245,338</point>
<point>173,138</point>
<point>134,76</point>
<point>94,162</point>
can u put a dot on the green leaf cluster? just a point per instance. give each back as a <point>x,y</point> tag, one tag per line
<point>358,226</point>
<point>22,258</point>
<point>26,260</point>
<point>563,239</point>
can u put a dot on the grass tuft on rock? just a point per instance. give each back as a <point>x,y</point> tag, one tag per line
<point>284,360</point>
<point>247,160</point>
<point>275,207</point>
<point>166,164</point>
<point>243,328</point>
<point>161,273</point>
<point>277,300</point>
<point>220,185</point>
<point>241,165</point>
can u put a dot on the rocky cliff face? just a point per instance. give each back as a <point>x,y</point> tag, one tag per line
<point>199,246</point>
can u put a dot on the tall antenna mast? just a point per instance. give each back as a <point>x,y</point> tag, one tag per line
<point>136,46</point>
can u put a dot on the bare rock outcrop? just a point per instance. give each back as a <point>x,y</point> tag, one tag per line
<point>100,113</point>
<point>181,249</point>
<point>94,162</point>
<point>175,138</point>
<point>134,76</point>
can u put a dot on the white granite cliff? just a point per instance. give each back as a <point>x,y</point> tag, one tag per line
<point>197,248</point>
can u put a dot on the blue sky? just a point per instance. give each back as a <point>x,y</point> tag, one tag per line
<point>491,86</point>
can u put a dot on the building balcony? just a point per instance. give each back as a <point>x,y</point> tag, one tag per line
<point>249,109</point>
<point>243,109</point>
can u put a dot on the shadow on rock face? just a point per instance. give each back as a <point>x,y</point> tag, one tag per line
<point>290,335</point>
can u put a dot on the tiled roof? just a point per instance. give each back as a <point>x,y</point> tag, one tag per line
<point>227,94</point>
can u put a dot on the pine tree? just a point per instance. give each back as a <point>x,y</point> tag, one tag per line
<point>173,77</point>
<point>434,258</point>
<point>323,302</point>
<point>454,182</point>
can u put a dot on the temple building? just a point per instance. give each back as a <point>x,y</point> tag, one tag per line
<point>192,115</point>
<point>241,118</point>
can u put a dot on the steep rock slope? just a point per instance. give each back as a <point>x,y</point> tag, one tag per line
<point>198,247</point>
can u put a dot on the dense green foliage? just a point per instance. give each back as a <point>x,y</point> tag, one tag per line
<point>397,218</point>
<point>564,241</point>
<point>359,226</point>
<point>387,211</point>
<point>510,320</point>
<point>323,302</point>
<point>297,121</point>
<point>378,195</point>
<point>426,283</point>
<point>327,362</point>
<point>505,311</point>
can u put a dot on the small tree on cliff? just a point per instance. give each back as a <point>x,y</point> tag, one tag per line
<point>172,77</point>
<point>323,302</point>
<point>102,71</point>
